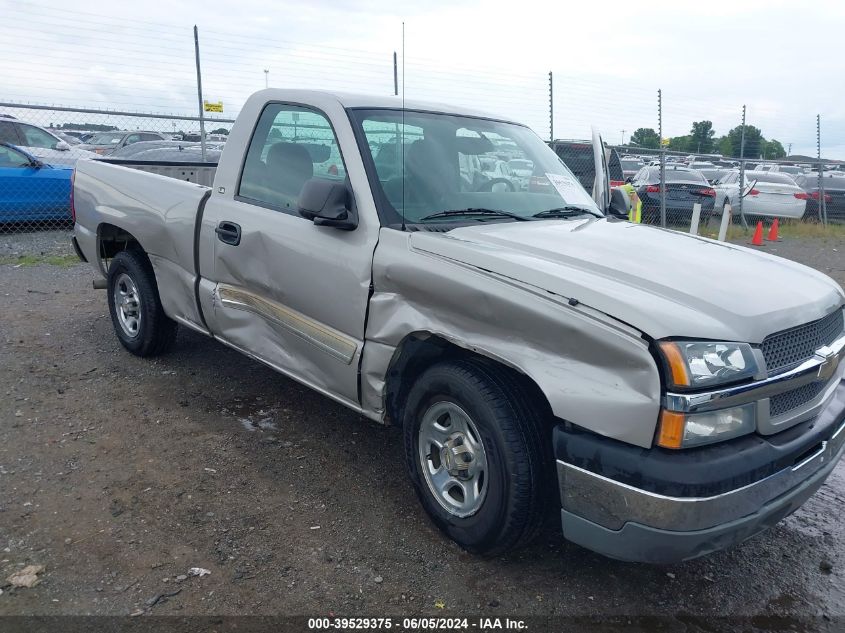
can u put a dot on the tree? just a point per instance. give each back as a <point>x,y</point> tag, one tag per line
<point>753,142</point>
<point>645,137</point>
<point>701,137</point>
<point>773,149</point>
<point>723,145</point>
<point>220,130</point>
<point>680,144</point>
<point>91,127</point>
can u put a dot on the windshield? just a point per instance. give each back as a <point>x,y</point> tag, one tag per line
<point>105,139</point>
<point>428,163</point>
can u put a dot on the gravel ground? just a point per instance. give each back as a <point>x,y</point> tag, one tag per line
<point>30,242</point>
<point>120,474</point>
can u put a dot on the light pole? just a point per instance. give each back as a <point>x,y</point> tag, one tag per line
<point>266,77</point>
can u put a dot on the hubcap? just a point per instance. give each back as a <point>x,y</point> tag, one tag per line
<point>127,303</point>
<point>452,458</point>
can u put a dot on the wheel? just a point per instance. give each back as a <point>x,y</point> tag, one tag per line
<point>477,455</point>
<point>136,313</point>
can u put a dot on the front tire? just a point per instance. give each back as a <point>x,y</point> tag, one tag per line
<point>476,453</point>
<point>139,321</point>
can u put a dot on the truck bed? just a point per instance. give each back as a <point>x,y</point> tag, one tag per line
<point>198,173</point>
<point>160,212</point>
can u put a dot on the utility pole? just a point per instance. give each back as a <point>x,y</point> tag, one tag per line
<point>822,205</point>
<point>199,91</point>
<point>789,149</point>
<point>266,77</point>
<point>623,138</point>
<point>551,106</point>
<point>662,158</point>
<point>742,170</point>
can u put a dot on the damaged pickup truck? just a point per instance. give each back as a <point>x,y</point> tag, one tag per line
<point>668,395</point>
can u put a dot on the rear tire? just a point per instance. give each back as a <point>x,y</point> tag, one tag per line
<point>139,321</point>
<point>477,452</point>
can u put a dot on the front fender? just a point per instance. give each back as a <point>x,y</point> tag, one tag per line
<point>595,371</point>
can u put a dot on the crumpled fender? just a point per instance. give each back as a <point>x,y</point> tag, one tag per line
<point>595,371</point>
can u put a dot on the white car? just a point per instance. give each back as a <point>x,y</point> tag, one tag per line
<point>40,143</point>
<point>522,170</point>
<point>765,193</point>
<point>499,174</point>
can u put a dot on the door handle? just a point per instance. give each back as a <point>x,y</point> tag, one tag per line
<point>229,232</point>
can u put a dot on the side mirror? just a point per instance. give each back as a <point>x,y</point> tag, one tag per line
<point>327,203</point>
<point>62,146</point>
<point>620,203</point>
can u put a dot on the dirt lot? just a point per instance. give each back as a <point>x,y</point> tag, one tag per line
<point>120,474</point>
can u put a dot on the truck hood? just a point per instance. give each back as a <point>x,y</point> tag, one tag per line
<point>662,282</point>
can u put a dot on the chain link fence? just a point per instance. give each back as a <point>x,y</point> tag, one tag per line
<point>40,145</point>
<point>681,163</point>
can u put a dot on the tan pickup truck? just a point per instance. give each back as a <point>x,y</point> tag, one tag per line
<point>667,394</point>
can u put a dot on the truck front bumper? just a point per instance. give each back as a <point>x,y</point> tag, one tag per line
<point>662,506</point>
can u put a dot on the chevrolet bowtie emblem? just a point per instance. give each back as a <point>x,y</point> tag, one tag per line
<point>830,364</point>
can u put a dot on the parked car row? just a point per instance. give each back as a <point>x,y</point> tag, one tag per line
<point>765,193</point>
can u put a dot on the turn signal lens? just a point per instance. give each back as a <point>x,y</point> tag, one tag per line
<point>677,364</point>
<point>671,430</point>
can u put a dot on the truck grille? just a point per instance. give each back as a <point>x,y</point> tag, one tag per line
<point>794,398</point>
<point>783,350</point>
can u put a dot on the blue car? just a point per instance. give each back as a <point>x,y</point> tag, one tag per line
<point>30,190</point>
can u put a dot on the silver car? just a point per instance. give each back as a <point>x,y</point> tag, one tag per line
<point>105,143</point>
<point>41,143</point>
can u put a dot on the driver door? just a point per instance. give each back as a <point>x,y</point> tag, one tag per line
<point>286,291</point>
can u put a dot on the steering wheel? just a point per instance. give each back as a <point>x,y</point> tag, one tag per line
<point>504,185</point>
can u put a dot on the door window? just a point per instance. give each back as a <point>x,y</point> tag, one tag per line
<point>12,158</point>
<point>36,137</point>
<point>8,133</point>
<point>290,145</point>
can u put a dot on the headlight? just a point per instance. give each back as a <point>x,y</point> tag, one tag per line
<point>680,430</point>
<point>700,364</point>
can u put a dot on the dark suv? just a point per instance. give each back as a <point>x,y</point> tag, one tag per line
<point>578,156</point>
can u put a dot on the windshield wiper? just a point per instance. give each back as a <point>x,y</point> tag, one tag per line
<point>564,212</point>
<point>473,211</point>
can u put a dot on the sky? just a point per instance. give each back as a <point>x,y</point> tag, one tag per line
<point>782,59</point>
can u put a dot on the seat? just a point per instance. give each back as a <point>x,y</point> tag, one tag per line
<point>288,167</point>
<point>427,176</point>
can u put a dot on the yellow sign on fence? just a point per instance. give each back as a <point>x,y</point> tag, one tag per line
<point>212,107</point>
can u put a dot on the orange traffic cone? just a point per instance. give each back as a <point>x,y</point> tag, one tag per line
<point>757,240</point>
<point>773,232</point>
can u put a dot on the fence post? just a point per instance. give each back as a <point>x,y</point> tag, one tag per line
<point>199,91</point>
<point>551,106</point>
<point>696,218</point>
<point>742,170</point>
<point>822,205</point>
<point>662,158</point>
<point>726,220</point>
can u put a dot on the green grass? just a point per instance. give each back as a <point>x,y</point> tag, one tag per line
<point>34,260</point>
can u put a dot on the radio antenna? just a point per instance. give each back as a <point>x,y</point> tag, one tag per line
<point>402,138</point>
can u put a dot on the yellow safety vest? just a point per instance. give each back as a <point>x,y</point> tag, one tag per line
<point>636,213</point>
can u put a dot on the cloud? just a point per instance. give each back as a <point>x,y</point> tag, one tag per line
<point>780,58</point>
